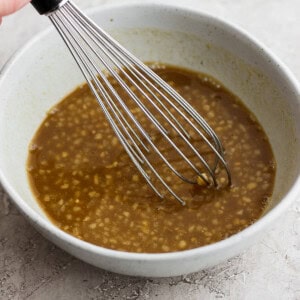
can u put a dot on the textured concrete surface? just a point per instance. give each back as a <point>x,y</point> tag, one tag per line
<point>33,268</point>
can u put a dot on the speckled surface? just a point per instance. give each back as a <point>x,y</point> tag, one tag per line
<point>33,268</point>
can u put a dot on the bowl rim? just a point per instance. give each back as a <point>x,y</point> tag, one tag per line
<point>252,230</point>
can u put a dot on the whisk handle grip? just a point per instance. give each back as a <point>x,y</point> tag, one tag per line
<point>45,6</point>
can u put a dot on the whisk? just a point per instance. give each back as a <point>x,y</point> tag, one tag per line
<point>192,150</point>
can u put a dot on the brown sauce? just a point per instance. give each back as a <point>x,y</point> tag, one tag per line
<point>87,185</point>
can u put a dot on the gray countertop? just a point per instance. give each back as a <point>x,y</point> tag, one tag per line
<point>33,268</point>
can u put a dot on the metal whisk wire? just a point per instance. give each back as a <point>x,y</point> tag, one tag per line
<point>98,55</point>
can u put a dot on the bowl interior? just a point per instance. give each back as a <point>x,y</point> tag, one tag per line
<point>43,72</point>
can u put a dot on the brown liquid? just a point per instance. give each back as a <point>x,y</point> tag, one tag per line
<point>88,186</point>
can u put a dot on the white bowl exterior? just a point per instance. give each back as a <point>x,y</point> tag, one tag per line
<point>43,72</point>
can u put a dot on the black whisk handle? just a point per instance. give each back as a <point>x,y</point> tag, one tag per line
<point>45,6</point>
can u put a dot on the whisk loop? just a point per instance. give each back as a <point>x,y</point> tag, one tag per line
<point>153,110</point>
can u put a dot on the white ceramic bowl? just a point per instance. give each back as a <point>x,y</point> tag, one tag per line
<point>41,73</point>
